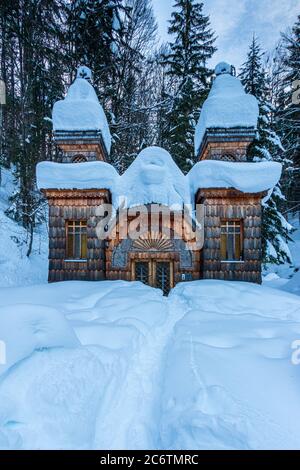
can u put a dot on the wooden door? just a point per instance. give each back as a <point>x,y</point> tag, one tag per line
<point>155,273</point>
<point>142,271</point>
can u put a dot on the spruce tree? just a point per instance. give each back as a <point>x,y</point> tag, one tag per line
<point>94,36</point>
<point>267,147</point>
<point>131,105</point>
<point>288,114</point>
<point>34,79</point>
<point>186,63</point>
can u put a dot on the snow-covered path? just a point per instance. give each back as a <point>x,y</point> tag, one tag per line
<point>208,367</point>
<point>133,413</point>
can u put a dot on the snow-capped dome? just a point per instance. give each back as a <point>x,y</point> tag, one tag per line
<point>84,72</point>
<point>81,110</point>
<point>227,106</point>
<point>223,67</point>
<point>154,177</point>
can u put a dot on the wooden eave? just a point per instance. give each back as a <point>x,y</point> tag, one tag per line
<point>224,193</point>
<point>76,193</point>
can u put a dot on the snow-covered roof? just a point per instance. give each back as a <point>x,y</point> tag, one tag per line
<point>227,106</point>
<point>89,175</point>
<point>81,110</point>
<point>154,177</point>
<point>246,177</point>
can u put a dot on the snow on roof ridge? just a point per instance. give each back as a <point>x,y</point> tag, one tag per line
<point>223,67</point>
<point>227,106</point>
<point>81,110</point>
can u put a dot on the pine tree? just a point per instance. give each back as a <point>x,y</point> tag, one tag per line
<point>131,104</point>
<point>114,38</point>
<point>288,114</point>
<point>94,36</point>
<point>267,147</point>
<point>165,89</point>
<point>186,63</point>
<point>34,78</point>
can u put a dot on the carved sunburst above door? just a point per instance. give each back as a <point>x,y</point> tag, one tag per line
<point>153,241</point>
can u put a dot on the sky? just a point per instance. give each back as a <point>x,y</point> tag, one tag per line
<point>235,22</point>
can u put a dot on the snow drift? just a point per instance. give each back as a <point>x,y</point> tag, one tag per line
<point>208,368</point>
<point>16,267</point>
<point>27,328</point>
<point>228,378</point>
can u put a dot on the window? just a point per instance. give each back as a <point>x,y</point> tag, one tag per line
<point>228,157</point>
<point>79,159</point>
<point>231,240</point>
<point>76,240</point>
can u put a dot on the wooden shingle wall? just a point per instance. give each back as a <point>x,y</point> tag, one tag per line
<point>91,151</point>
<point>231,204</point>
<point>76,205</point>
<point>221,151</point>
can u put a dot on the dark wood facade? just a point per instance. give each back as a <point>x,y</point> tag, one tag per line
<point>82,146</point>
<point>113,258</point>
<point>75,205</point>
<point>226,144</point>
<point>230,204</point>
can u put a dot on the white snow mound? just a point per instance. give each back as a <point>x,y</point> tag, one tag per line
<point>81,111</point>
<point>210,367</point>
<point>245,177</point>
<point>227,106</point>
<point>154,177</point>
<point>25,328</point>
<point>88,175</point>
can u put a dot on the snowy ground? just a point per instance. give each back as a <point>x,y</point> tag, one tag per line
<point>15,268</point>
<point>287,276</point>
<point>114,365</point>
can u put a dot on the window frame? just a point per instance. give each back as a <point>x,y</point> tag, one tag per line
<point>231,223</point>
<point>75,224</point>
